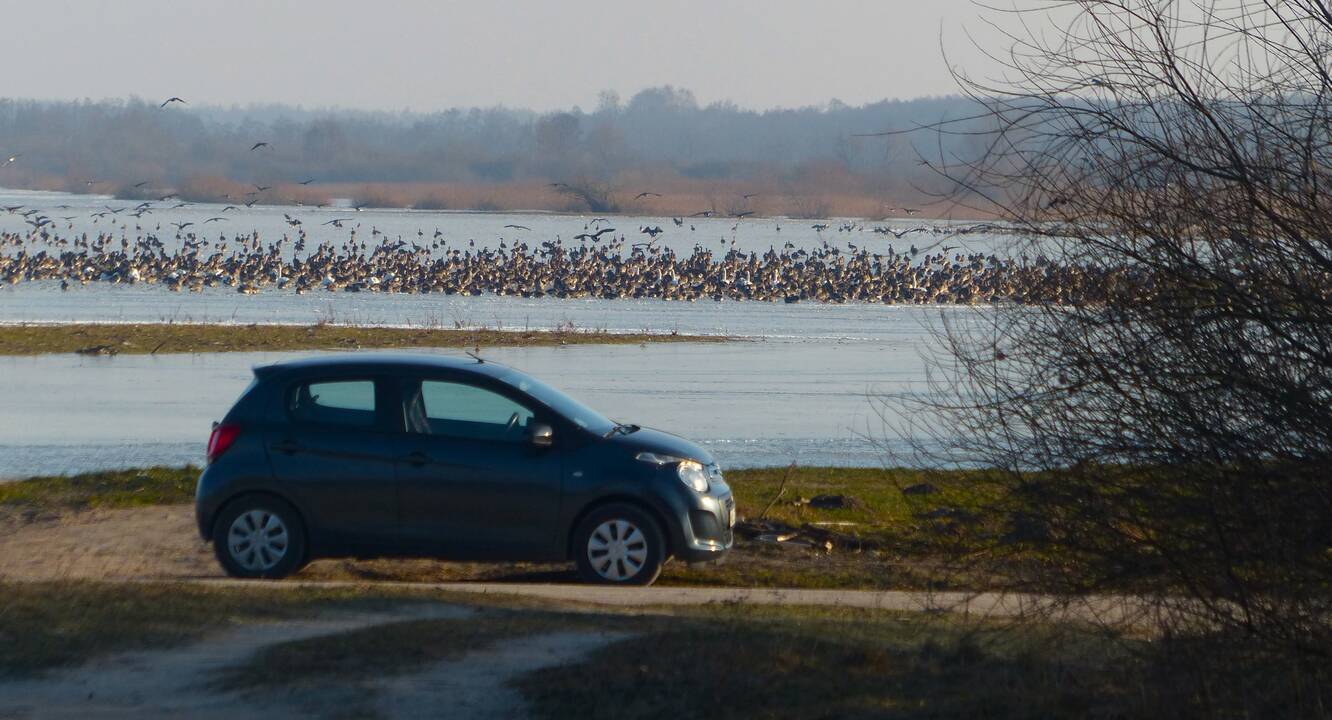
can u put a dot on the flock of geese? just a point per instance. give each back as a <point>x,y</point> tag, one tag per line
<point>591,268</point>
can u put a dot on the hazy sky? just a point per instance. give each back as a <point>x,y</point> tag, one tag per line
<point>427,55</point>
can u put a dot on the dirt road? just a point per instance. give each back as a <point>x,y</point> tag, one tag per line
<point>161,544</point>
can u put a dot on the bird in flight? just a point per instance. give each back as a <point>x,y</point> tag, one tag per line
<point>518,227</point>
<point>336,222</point>
<point>642,195</point>
<point>594,236</point>
<point>215,219</point>
<point>750,196</point>
<point>13,158</point>
<point>258,145</point>
<point>141,184</point>
<point>305,182</point>
<point>744,214</point>
<point>182,226</point>
<point>262,188</point>
<point>170,100</point>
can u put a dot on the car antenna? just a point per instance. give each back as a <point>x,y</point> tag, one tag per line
<point>475,357</point>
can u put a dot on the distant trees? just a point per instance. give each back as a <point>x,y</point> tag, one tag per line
<point>1173,441</point>
<point>659,132</point>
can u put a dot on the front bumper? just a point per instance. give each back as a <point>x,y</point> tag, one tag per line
<point>709,530</point>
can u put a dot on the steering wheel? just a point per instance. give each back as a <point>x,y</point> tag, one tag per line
<point>513,422</point>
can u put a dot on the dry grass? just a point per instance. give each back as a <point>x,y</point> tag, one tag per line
<point>814,193</point>
<point>45,625</point>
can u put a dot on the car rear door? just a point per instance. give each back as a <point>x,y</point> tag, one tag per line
<point>471,482</point>
<point>333,449</point>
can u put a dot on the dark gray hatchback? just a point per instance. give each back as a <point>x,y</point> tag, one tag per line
<point>378,455</point>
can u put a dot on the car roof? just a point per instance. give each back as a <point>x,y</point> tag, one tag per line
<point>391,363</point>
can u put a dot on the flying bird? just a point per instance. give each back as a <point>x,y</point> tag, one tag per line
<point>182,226</point>
<point>305,182</point>
<point>141,184</point>
<point>170,100</point>
<point>215,219</point>
<point>594,236</point>
<point>258,145</point>
<point>262,188</point>
<point>642,195</point>
<point>518,227</point>
<point>13,158</point>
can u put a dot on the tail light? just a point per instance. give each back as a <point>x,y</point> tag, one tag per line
<point>221,439</point>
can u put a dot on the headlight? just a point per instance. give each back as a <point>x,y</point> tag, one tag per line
<point>690,471</point>
<point>692,474</point>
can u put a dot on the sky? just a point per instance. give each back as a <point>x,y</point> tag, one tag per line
<point>425,55</point>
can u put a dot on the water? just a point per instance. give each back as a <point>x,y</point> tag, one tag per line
<point>799,390</point>
<point>755,403</point>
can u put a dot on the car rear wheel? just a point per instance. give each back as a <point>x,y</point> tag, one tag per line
<point>619,544</point>
<point>259,537</point>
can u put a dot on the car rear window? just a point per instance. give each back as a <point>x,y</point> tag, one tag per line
<point>348,403</point>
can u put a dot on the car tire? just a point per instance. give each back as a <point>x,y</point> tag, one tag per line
<point>619,544</point>
<point>259,537</point>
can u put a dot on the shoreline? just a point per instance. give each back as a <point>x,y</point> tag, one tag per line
<point>113,338</point>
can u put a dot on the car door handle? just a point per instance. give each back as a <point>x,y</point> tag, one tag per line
<point>286,446</point>
<point>416,459</point>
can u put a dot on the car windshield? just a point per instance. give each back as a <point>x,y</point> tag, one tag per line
<point>577,413</point>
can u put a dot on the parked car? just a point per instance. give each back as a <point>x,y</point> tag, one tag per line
<point>380,455</point>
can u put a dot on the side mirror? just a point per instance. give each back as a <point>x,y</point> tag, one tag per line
<point>541,435</point>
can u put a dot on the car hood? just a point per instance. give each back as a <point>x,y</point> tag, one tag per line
<point>663,443</point>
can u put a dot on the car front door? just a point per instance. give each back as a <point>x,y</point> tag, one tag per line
<point>471,482</point>
<point>333,450</point>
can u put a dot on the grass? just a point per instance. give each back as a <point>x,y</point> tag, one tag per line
<point>47,625</point>
<point>879,509</point>
<point>394,648</point>
<point>714,661</point>
<point>801,663</point>
<point>105,489</point>
<point>192,338</point>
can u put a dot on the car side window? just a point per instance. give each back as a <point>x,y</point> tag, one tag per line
<point>349,403</point>
<point>466,411</point>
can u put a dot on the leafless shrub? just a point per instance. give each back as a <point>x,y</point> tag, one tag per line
<point>1173,441</point>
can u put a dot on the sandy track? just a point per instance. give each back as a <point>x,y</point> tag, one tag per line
<point>162,544</point>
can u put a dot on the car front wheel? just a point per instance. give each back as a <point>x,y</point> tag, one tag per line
<point>619,544</point>
<point>260,537</point>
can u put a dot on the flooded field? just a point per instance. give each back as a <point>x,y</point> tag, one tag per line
<point>754,403</point>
